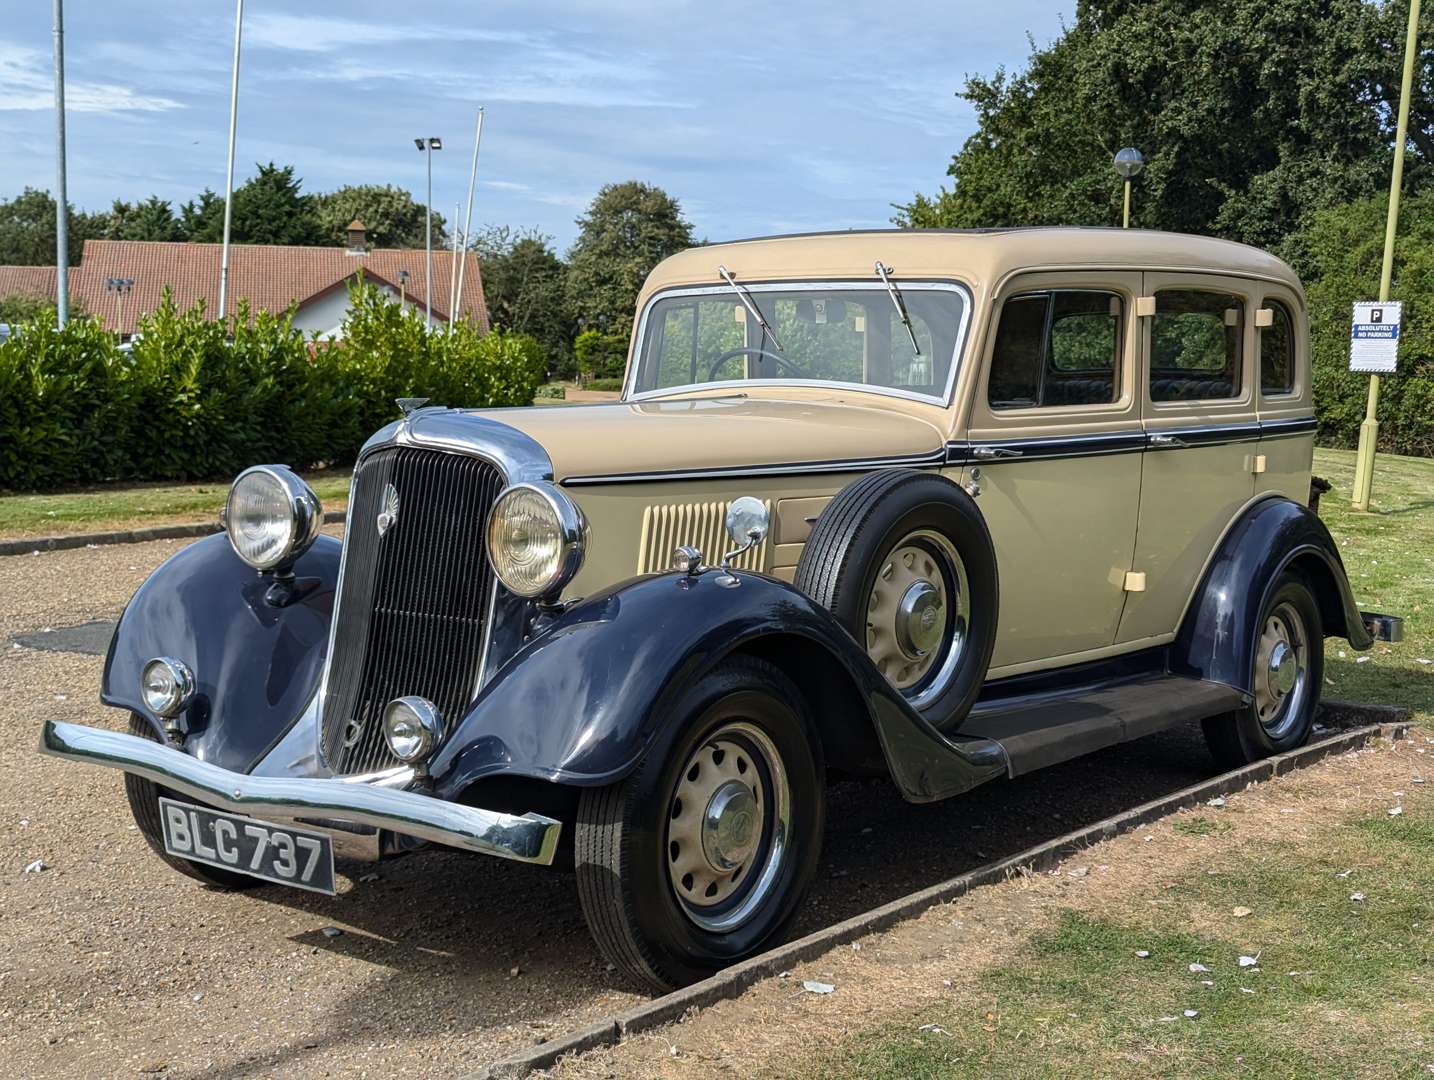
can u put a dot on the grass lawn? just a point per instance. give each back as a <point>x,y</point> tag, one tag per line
<point>111,507</point>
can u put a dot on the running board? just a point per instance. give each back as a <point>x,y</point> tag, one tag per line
<point>1040,730</point>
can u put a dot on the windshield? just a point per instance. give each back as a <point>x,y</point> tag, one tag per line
<point>825,333</point>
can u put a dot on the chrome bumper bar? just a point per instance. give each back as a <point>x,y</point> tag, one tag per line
<point>528,838</point>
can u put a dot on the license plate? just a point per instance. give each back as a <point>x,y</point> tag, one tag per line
<point>279,853</point>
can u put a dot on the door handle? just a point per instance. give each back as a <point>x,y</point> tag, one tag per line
<point>990,453</point>
<point>1168,442</point>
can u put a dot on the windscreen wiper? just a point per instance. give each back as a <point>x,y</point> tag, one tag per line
<point>750,305</point>
<point>881,272</point>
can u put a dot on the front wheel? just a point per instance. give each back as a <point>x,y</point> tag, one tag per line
<point>1286,680</point>
<point>701,857</point>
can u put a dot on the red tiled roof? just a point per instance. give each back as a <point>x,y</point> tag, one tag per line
<point>35,281</point>
<point>269,277</point>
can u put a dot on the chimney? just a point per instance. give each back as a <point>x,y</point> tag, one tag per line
<point>358,238</point>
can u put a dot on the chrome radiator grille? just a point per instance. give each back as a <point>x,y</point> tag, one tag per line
<point>412,612</point>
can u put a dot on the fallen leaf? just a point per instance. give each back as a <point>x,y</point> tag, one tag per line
<point>1218,800</point>
<point>1142,953</point>
<point>1240,912</point>
<point>35,867</point>
<point>1190,1014</point>
<point>1249,961</point>
<point>817,987</point>
<point>1244,990</point>
<point>1345,873</point>
<point>1198,967</point>
<point>1356,896</point>
<point>935,1029</point>
<point>1395,811</point>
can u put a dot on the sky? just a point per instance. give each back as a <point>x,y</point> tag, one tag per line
<point>758,118</point>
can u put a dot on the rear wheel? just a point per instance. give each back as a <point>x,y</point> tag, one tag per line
<point>1286,680</point>
<point>701,857</point>
<point>144,797</point>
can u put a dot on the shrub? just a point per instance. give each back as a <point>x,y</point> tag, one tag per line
<point>605,384</point>
<point>599,355</point>
<point>555,391</point>
<point>182,402</point>
<point>1341,256</point>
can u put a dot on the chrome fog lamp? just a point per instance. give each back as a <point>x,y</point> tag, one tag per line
<point>167,686</point>
<point>271,516</point>
<point>412,728</point>
<point>536,539</point>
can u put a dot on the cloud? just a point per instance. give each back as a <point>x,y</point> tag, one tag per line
<point>319,33</point>
<point>27,85</point>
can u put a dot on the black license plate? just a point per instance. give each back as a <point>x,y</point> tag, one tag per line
<point>278,853</point>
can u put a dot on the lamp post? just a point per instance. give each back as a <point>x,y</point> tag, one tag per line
<point>1369,430</point>
<point>119,286</point>
<point>427,146</point>
<point>1129,162</point>
<point>229,166</point>
<point>62,199</point>
<point>402,287</point>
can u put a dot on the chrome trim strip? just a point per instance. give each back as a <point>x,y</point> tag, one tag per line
<point>1043,448</point>
<point>1281,429</point>
<point>944,399</point>
<point>788,468</point>
<point>1212,435</point>
<point>530,838</point>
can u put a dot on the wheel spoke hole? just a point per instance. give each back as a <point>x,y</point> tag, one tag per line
<point>711,890</point>
<point>741,764</point>
<point>687,882</point>
<point>718,756</point>
<point>676,809</point>
<point>673,850</point>
<point>694,772</point>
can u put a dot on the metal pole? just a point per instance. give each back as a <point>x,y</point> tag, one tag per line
<point>229,168</point>
<point>428,241</point>
<point>453,270</point>
<point>468,219</point>
<point>1369,430</point>
<point>1125,221</point>
<point>62,199</point>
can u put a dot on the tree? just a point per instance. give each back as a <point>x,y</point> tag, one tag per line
<point>19,307</point>
<point>152,219</point>
<point>525,288</point>
<point>1252,114</point>
<point>389,214</point>
<point>628,229</point>
<point>27,230</point>
<point>269,208</point>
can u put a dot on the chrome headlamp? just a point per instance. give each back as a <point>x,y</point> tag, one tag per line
<point>412,728</point>
<point>271,516</point>
<point>536,539</point>
<point>167,686</point>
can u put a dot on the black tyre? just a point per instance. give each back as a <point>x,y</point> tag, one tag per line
<point>144,798</point>
<point>1287,678</point>
<point>701,857</point>
<point>904,561</point>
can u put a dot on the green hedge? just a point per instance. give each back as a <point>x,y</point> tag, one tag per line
<point>1340,262</point>
<point>184,403</point>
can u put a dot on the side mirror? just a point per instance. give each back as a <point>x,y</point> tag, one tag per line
<point>747,524</point>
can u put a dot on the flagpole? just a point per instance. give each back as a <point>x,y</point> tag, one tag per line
<point>468,219</point>
<point>229,168</point>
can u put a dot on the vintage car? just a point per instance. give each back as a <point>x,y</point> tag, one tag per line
<point>940,506</point>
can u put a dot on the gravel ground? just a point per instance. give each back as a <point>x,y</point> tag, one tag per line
<point>113,965</point>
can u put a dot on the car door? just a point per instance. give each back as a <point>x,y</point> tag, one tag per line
<point>1198,402</point>
<point>1054,448</point>
<point>1287,421</point>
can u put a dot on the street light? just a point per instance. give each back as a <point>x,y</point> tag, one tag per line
<point>119,286</point>
<point>402,287</point>
<point>427,146</point>
<point>1129,163</point>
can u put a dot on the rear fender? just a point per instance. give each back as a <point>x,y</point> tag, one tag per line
<point>582,701</point>
<point>1217,638</point>
<point>256,665</point>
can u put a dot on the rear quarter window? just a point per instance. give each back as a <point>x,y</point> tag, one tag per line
<point>1196,345</point>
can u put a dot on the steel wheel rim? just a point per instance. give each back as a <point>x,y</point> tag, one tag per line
<point>922,558</point>
<point>720,874</point>
<point>1281,670</point>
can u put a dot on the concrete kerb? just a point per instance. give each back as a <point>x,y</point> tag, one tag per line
<point>733,981</point>
<point>26,546</point>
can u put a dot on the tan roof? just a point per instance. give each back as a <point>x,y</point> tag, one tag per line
<point>270,277</point>
<point>979,256</point>
<point>28,281</point>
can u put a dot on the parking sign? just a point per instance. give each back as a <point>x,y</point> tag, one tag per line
<point>1374,336</point>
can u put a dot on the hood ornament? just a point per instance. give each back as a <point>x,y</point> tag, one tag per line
<point>410,405</point>
<point>388,512</point>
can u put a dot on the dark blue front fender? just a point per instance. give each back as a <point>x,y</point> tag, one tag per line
<point>581,702</point>
<point>1217,638</point>
<point>256,665</point>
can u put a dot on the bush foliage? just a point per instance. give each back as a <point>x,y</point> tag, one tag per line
<point>182,402</point>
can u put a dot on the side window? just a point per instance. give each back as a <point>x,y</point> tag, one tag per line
<point>1056,348</point>
<point>1196,346</point>
<point>1277,352</point>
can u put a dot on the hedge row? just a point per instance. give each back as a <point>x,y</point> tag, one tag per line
<point>185,403</point>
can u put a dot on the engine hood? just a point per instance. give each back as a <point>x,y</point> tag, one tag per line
<point>697,434</point>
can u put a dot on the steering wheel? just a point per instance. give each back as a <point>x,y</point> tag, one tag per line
<point>730,353</point>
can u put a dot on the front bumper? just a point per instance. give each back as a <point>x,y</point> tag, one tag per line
<point>529,838</point>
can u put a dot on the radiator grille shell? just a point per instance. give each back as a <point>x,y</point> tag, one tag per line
<point>414,605</point>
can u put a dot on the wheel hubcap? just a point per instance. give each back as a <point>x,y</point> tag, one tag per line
<point>728,827</point>
<point>916,616</point>
<point>1281,670</point>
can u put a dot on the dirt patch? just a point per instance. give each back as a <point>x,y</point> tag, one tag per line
<point>779,1028</point>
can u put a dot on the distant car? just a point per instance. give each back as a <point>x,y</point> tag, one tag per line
<point>945,507</point>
